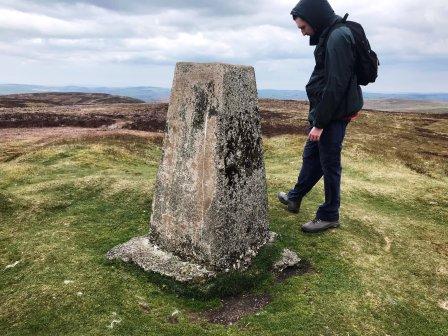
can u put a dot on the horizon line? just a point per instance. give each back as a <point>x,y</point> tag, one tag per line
<point>166,88</point>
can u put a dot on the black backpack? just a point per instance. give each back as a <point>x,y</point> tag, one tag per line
<point>366,60</point>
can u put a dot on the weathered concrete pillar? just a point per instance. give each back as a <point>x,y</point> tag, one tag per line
<point>209,211</point>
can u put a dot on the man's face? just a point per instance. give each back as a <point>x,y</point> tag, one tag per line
<point>304,27</point>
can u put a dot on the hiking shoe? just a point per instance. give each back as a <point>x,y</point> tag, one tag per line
<point>317,225</point>
<point>293,205</point>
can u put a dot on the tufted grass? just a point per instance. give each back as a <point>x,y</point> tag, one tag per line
<point>65,204</point>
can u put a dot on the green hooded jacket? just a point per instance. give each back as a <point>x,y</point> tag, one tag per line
<point>332,90</point>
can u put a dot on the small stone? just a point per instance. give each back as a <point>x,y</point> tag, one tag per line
<point>114,321</point>
<point>272,237</point>
<point>443,304</point>
<point>144,306</point>
<point>13,264</point>
<point>174,317</point>
<point>66,282</point>
<point>442,270</point>
<point>287,259</point>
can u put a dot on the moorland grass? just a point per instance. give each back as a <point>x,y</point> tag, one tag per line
<point>64,205</point>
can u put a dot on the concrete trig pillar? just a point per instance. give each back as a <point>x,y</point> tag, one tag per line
<point>209,210</point>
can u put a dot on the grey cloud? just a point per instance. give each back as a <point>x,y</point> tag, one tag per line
<point>161,32</point>
<point>216,8</point>
<point>212,8</point>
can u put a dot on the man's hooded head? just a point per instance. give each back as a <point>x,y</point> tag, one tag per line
<point>318,13</point>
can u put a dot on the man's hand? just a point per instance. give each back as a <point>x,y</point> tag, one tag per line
<point>315,134</point>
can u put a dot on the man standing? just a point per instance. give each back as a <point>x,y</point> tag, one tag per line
<point>335,98</point>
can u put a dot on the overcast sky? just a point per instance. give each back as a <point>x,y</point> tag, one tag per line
<point>137,43</point>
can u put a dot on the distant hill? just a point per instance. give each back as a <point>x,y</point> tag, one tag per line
<point>283,94</point>
<point>62,99</point>
<point>301,95</point>
<point>149,94</point>
<point>427,103</point>
<point>404,105</point>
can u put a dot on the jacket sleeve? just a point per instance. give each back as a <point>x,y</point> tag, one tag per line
<point>339,64</point>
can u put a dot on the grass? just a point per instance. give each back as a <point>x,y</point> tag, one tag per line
<point>65,204</point>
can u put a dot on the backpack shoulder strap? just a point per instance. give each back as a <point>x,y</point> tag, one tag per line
<point>335,25</point>
<point>322,46</point>
<point>343,21</point>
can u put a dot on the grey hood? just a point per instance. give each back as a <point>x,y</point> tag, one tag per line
<point>318,13</point>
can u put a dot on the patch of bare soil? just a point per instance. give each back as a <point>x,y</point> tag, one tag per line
<point>235,308</point>
<point>303,267</point>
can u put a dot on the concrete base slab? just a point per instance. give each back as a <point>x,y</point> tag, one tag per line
<point>151,258</point>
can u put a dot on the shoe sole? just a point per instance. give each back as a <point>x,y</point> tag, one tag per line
<point>333,226</point>
<point>282,200</point>
<point>293,210</point>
